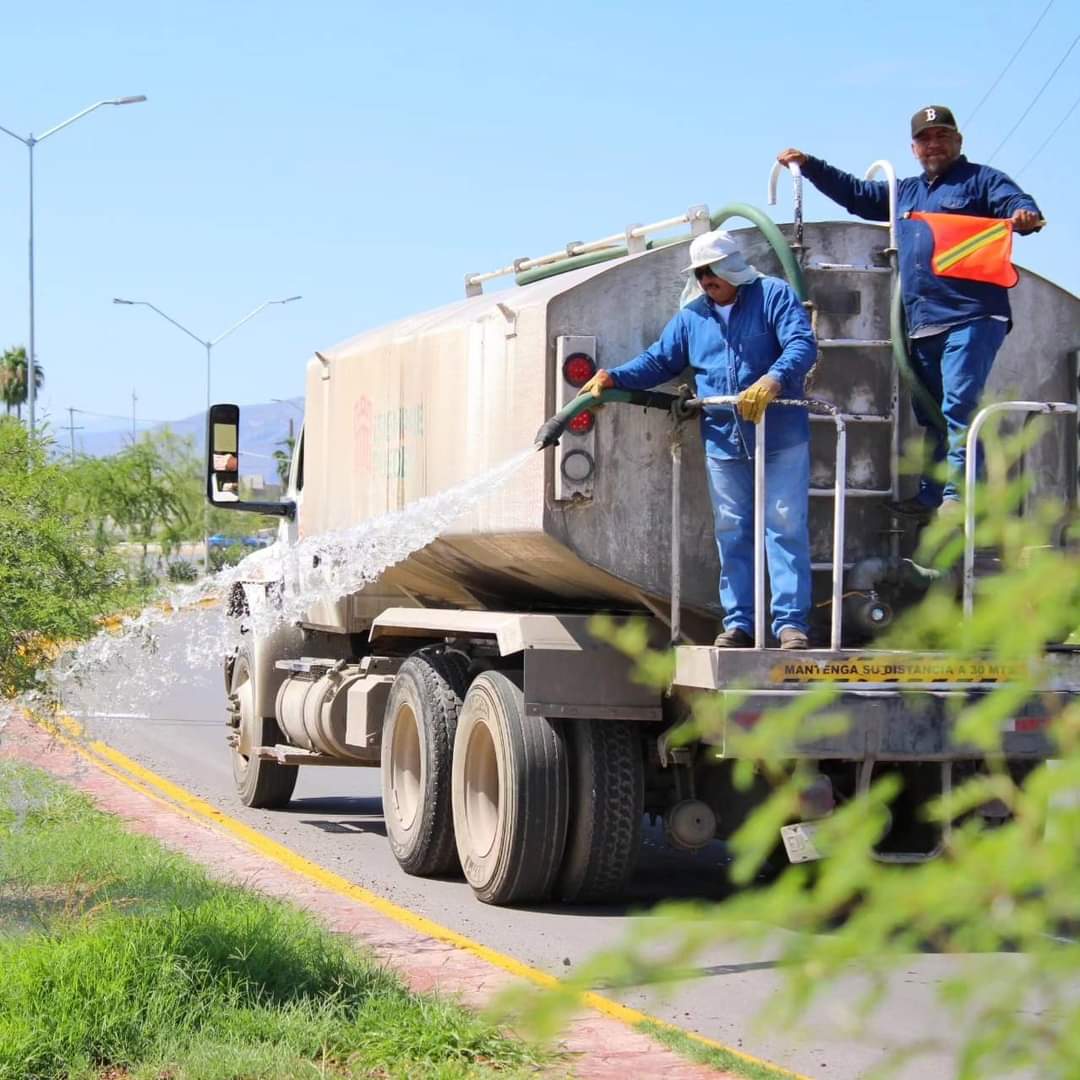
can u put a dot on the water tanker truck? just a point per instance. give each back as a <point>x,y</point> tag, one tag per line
<point>513,743</point>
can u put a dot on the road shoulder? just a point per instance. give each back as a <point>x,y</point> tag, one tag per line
<point>598,1046</point>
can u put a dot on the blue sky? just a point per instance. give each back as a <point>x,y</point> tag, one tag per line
<point>367,155</point>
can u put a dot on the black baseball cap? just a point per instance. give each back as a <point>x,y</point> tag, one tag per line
<point>933,116</point>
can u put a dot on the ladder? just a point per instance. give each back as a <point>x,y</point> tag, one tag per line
<point>838,346</point>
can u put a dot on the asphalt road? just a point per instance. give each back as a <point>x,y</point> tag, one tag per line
<point>167,712</point>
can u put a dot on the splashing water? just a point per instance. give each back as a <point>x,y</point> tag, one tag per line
<point>318,569</point>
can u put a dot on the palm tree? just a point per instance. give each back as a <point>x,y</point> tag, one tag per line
<point>284,457</point>
<point>13,388</point>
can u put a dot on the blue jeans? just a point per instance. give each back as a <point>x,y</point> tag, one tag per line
<point>954,366</point>
<point>787,537</point>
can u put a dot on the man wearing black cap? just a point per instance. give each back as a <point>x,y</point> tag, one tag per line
<point>955,326</point>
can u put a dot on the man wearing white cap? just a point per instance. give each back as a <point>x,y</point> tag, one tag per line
<point>750,336</point>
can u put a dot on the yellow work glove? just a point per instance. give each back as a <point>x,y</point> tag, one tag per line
<point>754,400</point>
<point>600,382</point>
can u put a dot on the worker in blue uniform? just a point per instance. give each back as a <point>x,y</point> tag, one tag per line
<point>955,326</point>
<point>747,335</point>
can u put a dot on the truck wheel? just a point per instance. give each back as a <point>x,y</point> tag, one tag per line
<point>607,784</point>
<point>417,741</point>
<point>510,794</point>
<point>263,785</point>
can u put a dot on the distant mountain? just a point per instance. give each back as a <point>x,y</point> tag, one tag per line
<point>263,427</point>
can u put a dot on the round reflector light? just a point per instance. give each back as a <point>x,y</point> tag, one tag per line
<point>577,466</point>
<point>582,424</point>
<point>578,368</point>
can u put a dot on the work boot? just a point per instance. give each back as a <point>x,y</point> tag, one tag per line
<point>791,638</point>
<point>912,508</point>
<point>735,638</point>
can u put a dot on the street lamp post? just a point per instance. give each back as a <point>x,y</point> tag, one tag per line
<point>292,405</point>
<point>30,141</point>
<point>207,344</point>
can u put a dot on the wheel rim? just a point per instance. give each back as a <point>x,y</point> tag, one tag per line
<point>245,734</point>
<point>405,767</point>
<point>481,781</point>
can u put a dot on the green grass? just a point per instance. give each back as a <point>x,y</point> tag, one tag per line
<point>715,1056</point>
<point>117,954</point>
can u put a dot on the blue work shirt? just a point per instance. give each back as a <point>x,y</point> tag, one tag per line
<point>965,188</point>
<point>767,333</point>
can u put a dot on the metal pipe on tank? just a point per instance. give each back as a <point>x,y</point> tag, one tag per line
<point>886,169</point>
<point>839,510</point>
<point>797,213</point>
<point>676,533</point>
<point>759,533</point>
<point>899,346</point>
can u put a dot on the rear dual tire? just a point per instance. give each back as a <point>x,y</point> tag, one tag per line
<point>417,741</point>
<point>607,779</point>
<point>511,793</point>
<point>542,807</point>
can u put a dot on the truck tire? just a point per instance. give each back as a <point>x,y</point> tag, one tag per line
<point>417,742</point>
<point>261,784</point>
<point>511,794</point>
<point>607,802</point>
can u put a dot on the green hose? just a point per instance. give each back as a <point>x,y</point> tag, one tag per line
<point>551,430</point>
<point>573,262</point>
<point>898,334</point>
<point>759,218</point>
<point>576,262</point>
<point>792,270</point>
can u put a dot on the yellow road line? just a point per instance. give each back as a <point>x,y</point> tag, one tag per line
<point>114,622</point>
<point>129,772</point>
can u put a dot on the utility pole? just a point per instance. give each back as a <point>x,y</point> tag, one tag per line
<point>71,431</point>
<point>133,400</point>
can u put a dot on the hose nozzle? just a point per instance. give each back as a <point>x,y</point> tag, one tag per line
<point>551,430</point>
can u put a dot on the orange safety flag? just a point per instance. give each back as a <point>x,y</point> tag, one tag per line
<point>973,248</point>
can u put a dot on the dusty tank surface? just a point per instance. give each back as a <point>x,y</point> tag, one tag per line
<point>420,405</point>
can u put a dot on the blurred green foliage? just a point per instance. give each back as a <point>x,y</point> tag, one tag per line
<point>54,578</point>
<point>1003,898</point>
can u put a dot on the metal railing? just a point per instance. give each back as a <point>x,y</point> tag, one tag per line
<point>970,473</point>
<point>797,212</point>
<point>822,408</point>
<point>632,239</point>
<point>886,169</point>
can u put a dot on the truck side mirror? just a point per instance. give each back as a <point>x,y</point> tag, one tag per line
<point>223,465</point>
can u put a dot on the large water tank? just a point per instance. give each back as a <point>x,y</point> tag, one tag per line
<point>420,405</point>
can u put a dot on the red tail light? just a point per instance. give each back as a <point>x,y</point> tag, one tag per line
<point>582,424</point>
<point>578,369</point>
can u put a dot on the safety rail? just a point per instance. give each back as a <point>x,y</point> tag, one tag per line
<point>797,212</point>
<point>896,329</point>
<point>683,410</point>
<point>886,169</point>
<point>1060,408</point>
<point>630,241</point>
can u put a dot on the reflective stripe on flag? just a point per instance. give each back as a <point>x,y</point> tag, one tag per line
<point>972,248</point>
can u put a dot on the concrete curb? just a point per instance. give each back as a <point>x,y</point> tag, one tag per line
<point>598,1047</point>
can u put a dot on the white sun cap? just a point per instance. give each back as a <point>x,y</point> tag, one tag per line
<point>718,251</point>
